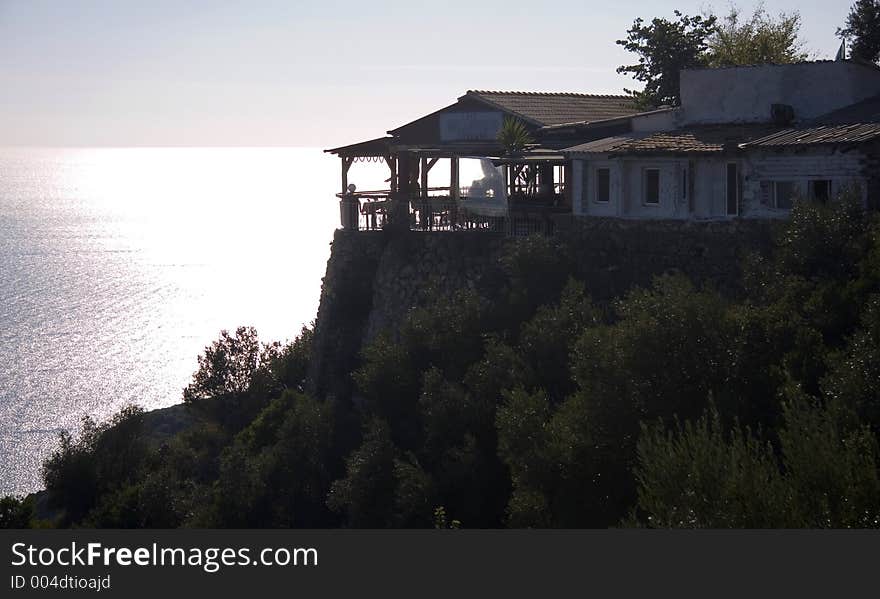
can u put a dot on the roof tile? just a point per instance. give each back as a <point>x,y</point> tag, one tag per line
<point>699,140</point>
<point>548,108</point>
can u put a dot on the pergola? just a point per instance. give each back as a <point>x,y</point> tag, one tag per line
<point>534,182</point>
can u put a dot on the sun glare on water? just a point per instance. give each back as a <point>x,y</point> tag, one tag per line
<point>121,265</point>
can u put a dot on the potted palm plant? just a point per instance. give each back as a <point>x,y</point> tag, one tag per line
<point>514,136</point>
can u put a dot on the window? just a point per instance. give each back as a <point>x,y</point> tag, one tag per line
<point>732,189</point>
<point>603,185</point>
<point>784,193</point>
<point>651,186</point>
<point>689,186</point>
<point>585,194</point>
<point>820,190</point>
<point>684,185</point>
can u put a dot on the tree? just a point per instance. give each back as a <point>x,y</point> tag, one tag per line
<point>664,48</point>
<point>102,459</point>
<point>758,40</point>
<point>863,30</point>
<point>383,486</point>
<point>514,136</point>
<point>227,366</point>
<point>235,378</point>
<point>696,476</point>
<point>276,473</point>
<point>16,512</point>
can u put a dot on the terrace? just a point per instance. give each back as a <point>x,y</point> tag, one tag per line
<point>503,194</point>
<point>448,171</point>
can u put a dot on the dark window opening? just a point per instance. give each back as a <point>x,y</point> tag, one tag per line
<point>603,185</point>
<point>690,187</point>
<point>652,186</point>
<point>684,184</point>
<point>820,190</point>
<point>784,193</point>
<point>732,189</point>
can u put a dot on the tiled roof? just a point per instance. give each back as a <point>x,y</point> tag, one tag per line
<point>556,108</point>
<point>693,140</point>
<point>601,122</point>
<point>606,145</point>
<point>856,123</point>
<point>821,134</point>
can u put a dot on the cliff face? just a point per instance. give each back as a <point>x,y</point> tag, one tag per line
<point>374,278</point>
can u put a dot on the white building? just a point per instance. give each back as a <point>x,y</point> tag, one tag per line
<point>746,142</point>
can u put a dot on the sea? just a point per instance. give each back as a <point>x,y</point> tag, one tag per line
<point>118,266</point>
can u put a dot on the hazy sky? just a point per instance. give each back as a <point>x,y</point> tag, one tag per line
<point>322,73</point>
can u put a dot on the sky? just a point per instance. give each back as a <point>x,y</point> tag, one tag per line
<point>319,73</point>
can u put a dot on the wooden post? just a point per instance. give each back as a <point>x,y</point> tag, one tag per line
<point>346,164</point>
<point>392,167</point>
<point>566,185</point>
<point>424,177</point>
<point>454,189</point>
<point>516,173</point>
<point>400,199</point>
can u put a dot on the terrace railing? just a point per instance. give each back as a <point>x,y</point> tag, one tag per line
<point>372,212</point>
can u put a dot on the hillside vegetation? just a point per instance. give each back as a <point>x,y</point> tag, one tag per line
<point>672,406</point>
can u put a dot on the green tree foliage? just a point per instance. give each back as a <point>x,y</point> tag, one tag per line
<point>278,469</point>
<point>446,332</point>
<point>16,512</point>
<point>522,402</point>
<point>104,458</point>
<point>665,353</point>
<point>693,476</point>
<point>237,374</point>
<point>514,136</point>
<point>115,474</point>
<point>758,40</point>
<point>862,30</point>
<point>287,366</point>
<point>697,476</point>
<point>383,487</point>
<point>523,438</point>
<point>547,340</point>
<point>444,426</point>
<point>664,47</point>
<point>535,271</point>
<point>227,366</point>
<point>389,384</point>
<point>854,378</point>
<point>825,266</point>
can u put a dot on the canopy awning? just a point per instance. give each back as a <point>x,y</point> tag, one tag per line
<point>381,146</point>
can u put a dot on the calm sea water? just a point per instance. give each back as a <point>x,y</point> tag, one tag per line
<point>118,266</point>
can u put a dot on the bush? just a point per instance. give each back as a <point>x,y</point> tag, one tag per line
<point>695,476</point>
<point>16,512</point>
<point>237,376</point>
<point>104,457</point>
